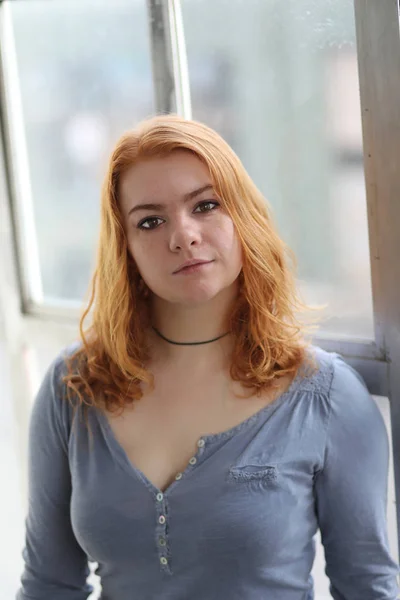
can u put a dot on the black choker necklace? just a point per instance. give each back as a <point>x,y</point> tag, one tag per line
<point>189,343</point>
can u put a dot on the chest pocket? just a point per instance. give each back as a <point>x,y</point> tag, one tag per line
<point>267,475</point>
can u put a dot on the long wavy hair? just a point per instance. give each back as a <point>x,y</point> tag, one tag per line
<point>270,338</point>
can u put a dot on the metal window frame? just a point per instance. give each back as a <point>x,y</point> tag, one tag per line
<point>169,60</point>
<point>16,153</point>
<point>378,40</point>
<point>378,45</point>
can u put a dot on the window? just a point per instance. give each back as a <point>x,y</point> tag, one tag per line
<point>79,76</point>
<point>279,80</point>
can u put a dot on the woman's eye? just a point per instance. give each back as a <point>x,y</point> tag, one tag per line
<point>148,220</point>
<point>208,202</point>
<point>201,205</point>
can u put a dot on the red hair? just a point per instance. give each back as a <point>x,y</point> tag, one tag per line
<point>269,340</point>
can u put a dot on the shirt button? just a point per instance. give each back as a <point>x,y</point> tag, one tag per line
<point>161,520</point>
<point>201,443</point>
<point>178,476</point>
<point>162,542</point>
<point>160,497</point>
<point>163,560</point>
<point>193,460</point>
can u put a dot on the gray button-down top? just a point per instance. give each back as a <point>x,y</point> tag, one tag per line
<point>237,524</point>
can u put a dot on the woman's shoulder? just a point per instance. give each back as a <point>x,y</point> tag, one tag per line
<point>59,365</point>
<point>333,375</point>
<point>52,393</point>
<point>348,412</point>
<point>66,352</point>
<point>341,392</point>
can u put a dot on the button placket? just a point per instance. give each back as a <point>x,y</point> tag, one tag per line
<point>201,448</point>
<point>161,532</point>
<point>162,515</point>
<point>194,459</point>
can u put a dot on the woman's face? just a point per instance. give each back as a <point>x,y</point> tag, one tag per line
<point>185,221</point>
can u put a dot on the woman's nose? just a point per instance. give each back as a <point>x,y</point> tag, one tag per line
<point>184,235</point>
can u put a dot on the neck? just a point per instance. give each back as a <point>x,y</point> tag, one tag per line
<point>189,343</point>
<point>188,327</point>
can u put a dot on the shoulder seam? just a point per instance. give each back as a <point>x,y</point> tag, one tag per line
<point>328,420</point>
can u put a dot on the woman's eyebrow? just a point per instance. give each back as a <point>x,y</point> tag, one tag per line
<point>186,198</point>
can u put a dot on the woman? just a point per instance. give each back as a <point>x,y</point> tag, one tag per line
<point>193,442</point>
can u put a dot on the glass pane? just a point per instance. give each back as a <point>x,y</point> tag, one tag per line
<point>85,77</point>
<point>279,81</point>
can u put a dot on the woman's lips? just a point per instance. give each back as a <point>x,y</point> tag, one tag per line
<point>193,268</point>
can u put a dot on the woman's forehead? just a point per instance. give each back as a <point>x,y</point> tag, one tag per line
<point>154,179</point>
<point>178,161</point>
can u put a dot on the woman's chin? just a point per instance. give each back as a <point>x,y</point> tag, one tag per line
<point>190,295</point>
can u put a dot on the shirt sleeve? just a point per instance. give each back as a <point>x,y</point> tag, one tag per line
<point>351,493</point>
<point>56,567</point>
